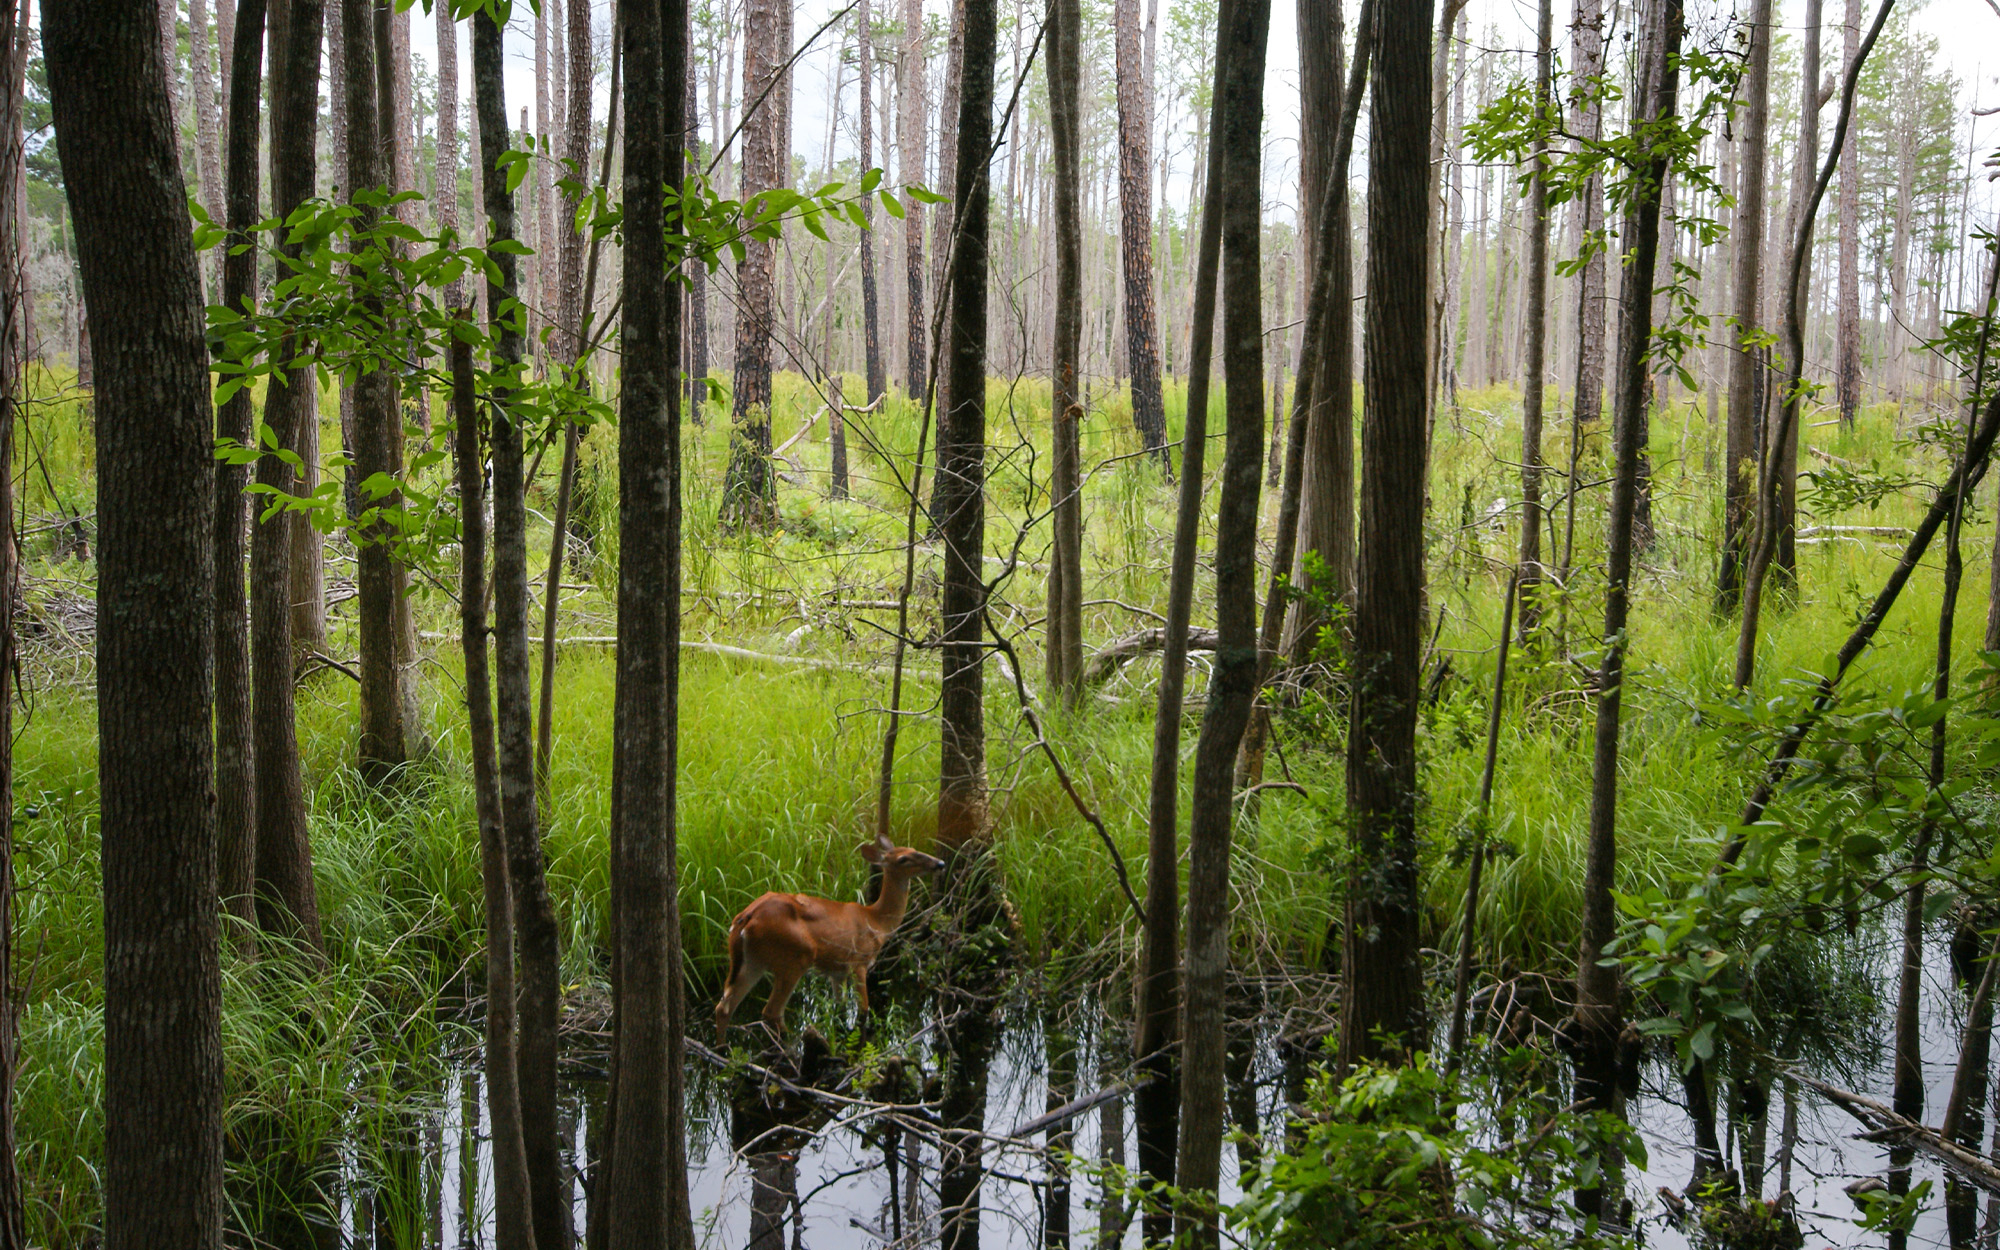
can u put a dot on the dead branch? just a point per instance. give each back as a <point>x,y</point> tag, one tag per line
<point>1113,655</point>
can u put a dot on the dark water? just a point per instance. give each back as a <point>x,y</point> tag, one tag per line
<point>773,1169</point>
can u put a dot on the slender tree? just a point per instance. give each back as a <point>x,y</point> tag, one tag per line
<point>235,771</point>
<point>540,995</point>
<point>958,500</point>
<point>1242,29</point>
<point>1135,230</point>
<point>1805,159</point>
<point>1383,976</point>
<point>1847,349</point>
<point>766,152</point>
<point>910,100</point>
<point>287,898</point>
<point>207,125</point>
<point>15,37</point>
<point>1065,599</point>
<point>377,445</point>
<point>1740,456</point>
<point>1587,119</point>
<point>513,1224</point>
<point>163,1091</point>
<point>1596,1025</point>
<point>864,58</point>
<point>648,1199</point>
<point>444,182</point>
<point>1536,311</point>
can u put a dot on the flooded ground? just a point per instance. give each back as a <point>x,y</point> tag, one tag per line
<point>927,1131</point>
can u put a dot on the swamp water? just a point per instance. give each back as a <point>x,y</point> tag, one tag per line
<point>883,1158</point>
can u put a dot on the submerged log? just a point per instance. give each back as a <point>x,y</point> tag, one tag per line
<point>1887,1127</point>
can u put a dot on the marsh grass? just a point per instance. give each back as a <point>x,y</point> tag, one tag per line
<point>777,763</point>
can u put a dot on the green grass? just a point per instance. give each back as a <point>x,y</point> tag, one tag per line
<point>777,766</point>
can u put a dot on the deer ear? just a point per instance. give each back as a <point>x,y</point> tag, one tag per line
<point>871,852</point>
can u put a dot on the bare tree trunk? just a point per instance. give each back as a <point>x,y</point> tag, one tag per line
<point>749,489</point>
<point>1383,983</point>
<point>513,1223</point>
<point>1587,117</point>
<point>947,179</point>
<point>1242,30</point>
<point>1064,39</point>
<point>1135,230</point>
<point>1326,503</point>
<point>910,156</point>
<point>1847,352</point>
<point>207,124</point>
<point>1596,1026</point>
<point>235,771</point>
<point>870,310</point>
<point>287,899</point>
<point>1740,457</point>
<point>1804,167</point>
<point>445,180</point>
<point>958,500</point>
<point>163,1086</point>
<point>378,435</point>
<point>1535,368</point>
<point>648,1196</point>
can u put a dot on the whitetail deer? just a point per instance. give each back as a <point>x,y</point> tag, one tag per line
<point>786,934</point>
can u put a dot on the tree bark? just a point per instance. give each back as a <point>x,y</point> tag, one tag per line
<point>1156,1106</point>
<point>207,124</point>
<point>1740,442</point>
<point>1805,166</point>
<point>1535,368</point>
<point>540,996</point>
<point>287,898</point>
<point>958,500</point>
<point>235,770</point>
<point>910,157</point>
<point>749,488</point>
<point>513,1220</point>
<point>305,569</point>
<point>1596,1026</point>
<point>1383,981</point>
<point>870,310</point>
<point>648,1182</point>
<point>1587,118</point>
<point>1326,501</point>
<point>445,180</point>
<point>378,431</point>
<point>1064,41</point>
<point>15,329</point>
<point>1242,29</point>
<point>1847,350</point>
<point>163,1087</point>
<point>1135,232</point>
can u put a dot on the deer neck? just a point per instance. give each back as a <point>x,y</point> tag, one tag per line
<point>888,907</point>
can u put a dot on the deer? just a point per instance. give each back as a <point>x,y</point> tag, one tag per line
<point>787,934</point>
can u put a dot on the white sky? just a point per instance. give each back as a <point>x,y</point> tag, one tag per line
<point>1968,33</point>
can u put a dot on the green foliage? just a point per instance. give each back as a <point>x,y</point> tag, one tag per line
<point>1398,1157</point>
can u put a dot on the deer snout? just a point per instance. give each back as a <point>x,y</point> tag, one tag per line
<point>934,865</point>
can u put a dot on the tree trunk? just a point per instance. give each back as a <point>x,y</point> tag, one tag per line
<point>748,494</point>
<point>910,157</point>
<point>377,446</point>
<point>1805,166</point>
<point>163,1087</point>
<point>1535,368</point>
<point>287,899</point>
<point>1326,500</point>
<point>15,327</point>
<point>540,995</point>
<point>305,568</point>
<point>1242,29</point>
<point>942,227</point>
<point>870,311</point>
<point>1847,352</point>
<point>1596,1026</point>
<point>1383,972</point>
<point>1156,1106</point>
<point>1587,118</point>
<point>1740,442</point>
<point>958,500</point>
<point>445,180</point>
<point>648,1197</point>
<point>207,124</point>
<point>1135,231</point>
<point>235,772</point>
<point>513,1222</point>
<point>1065,597</point>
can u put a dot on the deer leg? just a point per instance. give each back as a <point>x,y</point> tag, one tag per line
<point>858,974</point>
<point>782,984</point>
<point>740,984</point>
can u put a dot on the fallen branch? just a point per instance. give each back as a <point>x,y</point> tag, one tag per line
<point>1886,1126</point>
<point>1873,531</point>
<point>1112,656</point>
<point>1077,1106</point>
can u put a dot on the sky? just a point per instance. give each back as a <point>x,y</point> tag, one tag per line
<point>1968,33</point>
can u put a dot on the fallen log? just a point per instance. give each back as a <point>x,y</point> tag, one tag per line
<point>1112,656</point>
<point>1886,1126</point>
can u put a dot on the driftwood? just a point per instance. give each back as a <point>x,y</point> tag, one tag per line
<point>1113,655</point>
<point>1886,1126</point>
